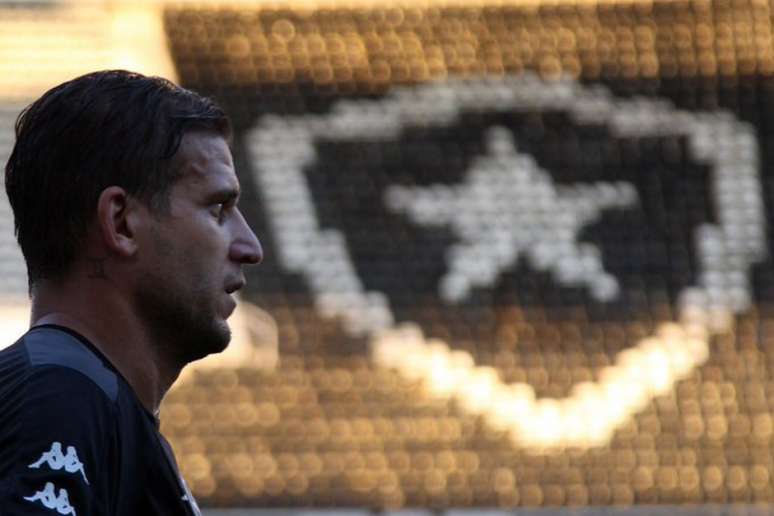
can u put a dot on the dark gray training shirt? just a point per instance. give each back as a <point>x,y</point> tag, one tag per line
<point>74,438</point>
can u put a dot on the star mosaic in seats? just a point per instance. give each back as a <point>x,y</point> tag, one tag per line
<point>508,206</point>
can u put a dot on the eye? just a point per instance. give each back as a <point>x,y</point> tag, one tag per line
<point>218,210</point>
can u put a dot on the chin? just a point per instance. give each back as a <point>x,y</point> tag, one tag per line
<point>204,341</point>
<point>187,325</point>
<point>218,340</point>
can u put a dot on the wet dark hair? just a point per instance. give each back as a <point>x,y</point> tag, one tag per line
<point>107,128</point>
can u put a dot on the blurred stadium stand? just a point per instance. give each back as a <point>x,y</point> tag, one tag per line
<point>346,115</point>
<point>44,43</point>
<point>13,272</point>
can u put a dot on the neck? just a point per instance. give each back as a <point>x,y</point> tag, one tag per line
<point>120,337</point>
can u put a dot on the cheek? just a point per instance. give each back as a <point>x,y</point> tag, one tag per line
<point>209,250</point>
<point>204,235</point>
<point>199,244</point>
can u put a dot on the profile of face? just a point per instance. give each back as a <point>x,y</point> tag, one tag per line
<point>193,253</point>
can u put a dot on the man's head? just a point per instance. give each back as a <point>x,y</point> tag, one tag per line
<point>131,177</point>
<point>98,130</point>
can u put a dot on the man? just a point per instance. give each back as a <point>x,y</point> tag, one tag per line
<point>125,204</point>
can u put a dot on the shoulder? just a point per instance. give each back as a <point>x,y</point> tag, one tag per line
<point>57,417</point>
<point>52,351</point>
<point>53,386</point>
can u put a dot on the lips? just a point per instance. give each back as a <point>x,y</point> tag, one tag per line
<point>233,287</point>
<point>230,305</point>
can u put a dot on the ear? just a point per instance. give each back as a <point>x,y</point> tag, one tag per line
<point>116,221</point>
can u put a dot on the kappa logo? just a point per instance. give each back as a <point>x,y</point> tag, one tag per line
<point>500,207</point>
<point>56,460</point>
<point>50,500</point>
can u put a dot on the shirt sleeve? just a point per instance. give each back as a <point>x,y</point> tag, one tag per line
<point>63,432</point>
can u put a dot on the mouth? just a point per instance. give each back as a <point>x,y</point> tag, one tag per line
<point>231,306</point>
<point>230,289</point>
<point>233,287</point>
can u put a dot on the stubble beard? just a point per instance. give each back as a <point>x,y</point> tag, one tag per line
<point>183,321</point>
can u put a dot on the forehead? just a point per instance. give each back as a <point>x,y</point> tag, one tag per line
<point>204,159</point>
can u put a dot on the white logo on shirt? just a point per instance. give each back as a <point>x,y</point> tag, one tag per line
<point>56,460</point>
<point>50,500</point>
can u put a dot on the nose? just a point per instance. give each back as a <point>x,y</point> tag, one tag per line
<point>245,248</point>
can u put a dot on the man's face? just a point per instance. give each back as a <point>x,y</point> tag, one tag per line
<point>191,255</point>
